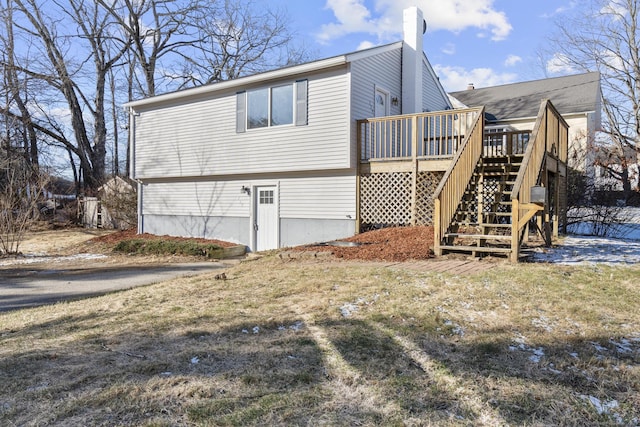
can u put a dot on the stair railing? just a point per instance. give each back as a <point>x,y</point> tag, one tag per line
<point>451,189</point>
<point>545,138</point>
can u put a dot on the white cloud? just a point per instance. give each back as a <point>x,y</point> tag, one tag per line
<point>365,45</point>
<point>458,78</point>
<point>353,16</point>
<point>615,8</point>
<point>449,49</point>
<point>561,9</point>
<point>512,60</point>
<point>559,64</point>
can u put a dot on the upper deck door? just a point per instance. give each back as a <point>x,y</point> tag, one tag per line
<point>381,102</point>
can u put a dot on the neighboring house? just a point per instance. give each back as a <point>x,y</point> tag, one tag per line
<point>271,160</point>
<point>515,107</point>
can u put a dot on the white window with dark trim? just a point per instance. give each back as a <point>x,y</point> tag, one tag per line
<point>279,105</point>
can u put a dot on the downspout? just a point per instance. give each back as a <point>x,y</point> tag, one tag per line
<point>132,165</point>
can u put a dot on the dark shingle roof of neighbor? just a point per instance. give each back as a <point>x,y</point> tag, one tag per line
<point>569,94</point>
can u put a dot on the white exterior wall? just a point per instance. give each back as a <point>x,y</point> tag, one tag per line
<point>328,197</point>
<point>433,98</point>
<point>199,138</point>
<point>382,70</point>
<point>193,164</point>
<point>311,208</point>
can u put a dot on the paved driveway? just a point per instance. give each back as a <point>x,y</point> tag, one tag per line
<point>29,286</point>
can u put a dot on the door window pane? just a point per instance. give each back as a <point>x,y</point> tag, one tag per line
<point>266,197</point>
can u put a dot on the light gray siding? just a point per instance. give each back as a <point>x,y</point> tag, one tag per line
<point>320,207</point>
<point>433,98</point>
<point>199,138</point>
<point>383,70</point>
<point>327,197</point>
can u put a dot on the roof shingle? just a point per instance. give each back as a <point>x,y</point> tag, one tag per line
<point>577,93</point>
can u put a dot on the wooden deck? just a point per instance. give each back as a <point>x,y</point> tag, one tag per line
<point>435,168</point>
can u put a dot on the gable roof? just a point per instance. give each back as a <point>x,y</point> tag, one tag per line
<point>291,70</point>
<point>579,93</point>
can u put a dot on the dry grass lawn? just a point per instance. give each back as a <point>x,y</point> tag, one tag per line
<point>334,343</point>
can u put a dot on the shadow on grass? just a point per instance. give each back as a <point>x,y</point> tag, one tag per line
<point>277,373</point>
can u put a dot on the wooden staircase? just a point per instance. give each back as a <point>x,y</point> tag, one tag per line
<point>482,222</point>
<point>484,202</point>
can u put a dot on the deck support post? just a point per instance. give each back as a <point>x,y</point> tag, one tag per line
<point>358,159</point>
<point>515,230</point>
<point>414,173</point>
<point>437,235</point>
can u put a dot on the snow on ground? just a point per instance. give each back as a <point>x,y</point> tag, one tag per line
<point>621,247</point>
<point>32,259</point>
<point>590,249</point>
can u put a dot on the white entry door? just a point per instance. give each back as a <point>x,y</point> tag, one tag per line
<point>266,218</point>
<point>381,108</point>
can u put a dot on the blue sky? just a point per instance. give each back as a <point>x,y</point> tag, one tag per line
<point>485,42</point>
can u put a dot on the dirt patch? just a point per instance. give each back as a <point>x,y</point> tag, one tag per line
<point>387,244</point>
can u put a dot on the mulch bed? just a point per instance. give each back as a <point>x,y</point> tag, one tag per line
<point>387,244</point>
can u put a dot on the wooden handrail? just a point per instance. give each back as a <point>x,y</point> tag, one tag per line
<point>548,138</point>
<point>449,192</point>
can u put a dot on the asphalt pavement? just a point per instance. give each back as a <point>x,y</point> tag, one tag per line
<point>28,286</point>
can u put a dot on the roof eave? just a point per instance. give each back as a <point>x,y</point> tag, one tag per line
<point>243,81</point>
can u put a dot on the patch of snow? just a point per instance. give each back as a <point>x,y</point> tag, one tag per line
<point>542,323</point>
<point>347,309</point>
<point>538,353</point>
<point>244,331</point>
<point>297,326</point>
<point>598,347</point>
<point>256,329</point>
<point>195,360</point>
<point>33,259</point>
<point>589,249</point>
<point>622,246</point>
<point>601,407</point>
<point>520,344</point>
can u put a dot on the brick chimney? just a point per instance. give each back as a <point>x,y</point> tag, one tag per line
<point>413,29</point>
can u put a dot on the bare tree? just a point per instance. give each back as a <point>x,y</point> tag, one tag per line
<point>242,39</point>
<point>21,190</point>
<point>178,44</point>
<point>604,36</point>
<point>15,87</point>
<point>85,57</point>
<point>70,77</point>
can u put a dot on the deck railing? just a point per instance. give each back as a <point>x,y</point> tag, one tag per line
<point>449,193</point>
<point>549,137</point>
<point>432,135</point>
<point>505,143</point>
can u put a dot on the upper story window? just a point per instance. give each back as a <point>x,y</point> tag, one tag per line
<point>272,106</point>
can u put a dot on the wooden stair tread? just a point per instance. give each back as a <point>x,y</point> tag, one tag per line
<point>486,249</point>
<point>479,236</point>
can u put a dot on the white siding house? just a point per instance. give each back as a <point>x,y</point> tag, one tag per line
<point>268,160</point>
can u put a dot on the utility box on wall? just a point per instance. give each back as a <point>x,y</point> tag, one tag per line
<point>538,195</point>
